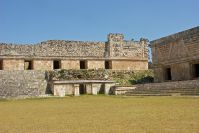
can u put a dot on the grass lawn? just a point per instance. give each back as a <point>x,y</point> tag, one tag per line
<point>100,114</point>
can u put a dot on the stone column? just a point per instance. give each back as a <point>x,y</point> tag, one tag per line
<point>107,88</point>
<point>95,88</point>
<point>59,90</point>
<point>76,89</point>
<point>88,88</point>
<point>62,92</point>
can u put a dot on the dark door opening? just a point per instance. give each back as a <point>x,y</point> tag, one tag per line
<point>56,64</point>
<point>108,65</point>
<point>83,64</point>
<point>82,89</point>
<point>28,65</point>
<point>196,70</point>
<point>1,64</point>
<point>168,74</point>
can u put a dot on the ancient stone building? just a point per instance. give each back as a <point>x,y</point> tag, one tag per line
<point>116,54</point>
<point>176,57</point>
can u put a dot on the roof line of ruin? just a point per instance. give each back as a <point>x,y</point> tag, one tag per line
<point>49,41</point>
<point>175,36</point>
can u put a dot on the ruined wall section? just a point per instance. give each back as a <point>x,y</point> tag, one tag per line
<point>22,83</point>
<point>120,48</point>
<point>54,48</point>
<point>70,49</point>
<point>42,56</point>
<point>115,48</point>
<point>16,50</point>
<point>176,48</point>
<point>179,52</point>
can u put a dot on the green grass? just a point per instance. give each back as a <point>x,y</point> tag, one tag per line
<point>100,114</point>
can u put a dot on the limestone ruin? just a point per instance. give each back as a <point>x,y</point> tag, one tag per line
<point>176,57</point>
<point>16,61</point>
<point>116,54</point>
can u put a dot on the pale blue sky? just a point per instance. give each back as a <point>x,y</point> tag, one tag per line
<point>33,21</point>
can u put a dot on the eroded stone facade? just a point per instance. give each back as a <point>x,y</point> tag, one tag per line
<point>23,83</point>
<point>116,53</point>
<point>176,57</point>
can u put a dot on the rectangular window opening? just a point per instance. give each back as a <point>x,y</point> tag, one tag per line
<point>56,64</point>
<point>108,65</point>
<point>83,64</point>
<point>28,65</point>
<point>168,74</point>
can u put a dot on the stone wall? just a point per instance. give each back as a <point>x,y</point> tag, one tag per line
<point>70,64</point>
<point>22,83</point>
<point>176,48</point>
<point>117,47</point>
<point>178,74</point>
<point>55,48</point>
<point>13,64</point>
<point>43,65</point>
<point>179,52</point>
<point>59,49</point>
<point>129,65</point>
<point>93,64</point>
<point>69,53</point>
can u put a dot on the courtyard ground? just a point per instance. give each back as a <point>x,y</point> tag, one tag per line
<point>100,114</point>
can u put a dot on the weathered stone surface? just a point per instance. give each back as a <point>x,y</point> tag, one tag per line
<point>22,83</point>
<point>188,87</point>
<point>70,64</point>
<point>133,53</point>
<point>43,64</point>
<point>13,64</point>
<point>179,52</point>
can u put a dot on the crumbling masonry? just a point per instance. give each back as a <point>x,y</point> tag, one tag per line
<point>176,57</point>
<point>116,54</point>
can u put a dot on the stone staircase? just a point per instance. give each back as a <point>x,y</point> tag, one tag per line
<point>162,92</point>
<point>179,88</point>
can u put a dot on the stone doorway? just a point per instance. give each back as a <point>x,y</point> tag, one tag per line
<point>28,65</point>
<point>82,89</point>
<point>196,70</point>
<point>1,64</point>
<point>168,74</point>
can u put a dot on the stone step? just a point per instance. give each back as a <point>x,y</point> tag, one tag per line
<point>157,92</point>
<point>189,93</point>
<point>161,94</point>
<point>167,91</point>
<point>148,95</point>
<point>197,89</point>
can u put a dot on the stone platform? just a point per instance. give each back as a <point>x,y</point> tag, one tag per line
<point>77,87</point>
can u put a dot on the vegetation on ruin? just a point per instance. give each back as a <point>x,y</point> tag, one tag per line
<point>123,77</point>
<point>100,114</point>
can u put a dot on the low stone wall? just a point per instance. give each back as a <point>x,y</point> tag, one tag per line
<point>22,83</point>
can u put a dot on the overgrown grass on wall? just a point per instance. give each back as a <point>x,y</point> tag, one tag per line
<point>122,77</point>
